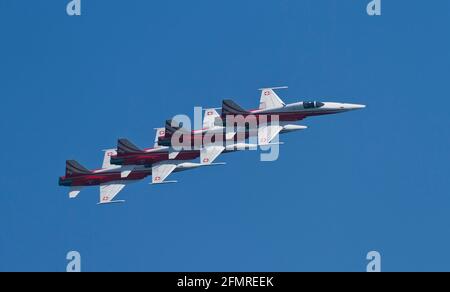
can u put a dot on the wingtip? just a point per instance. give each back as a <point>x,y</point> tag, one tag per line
<point>111,202</point>
<point>276,87</point>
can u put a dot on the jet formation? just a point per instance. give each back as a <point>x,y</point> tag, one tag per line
<point>128,163</point>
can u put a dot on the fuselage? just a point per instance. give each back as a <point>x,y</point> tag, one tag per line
<point>151,156</point>
<point>248,126</point>
<point>200,138</point>
<point>113,173</point>
<point>236,135</point>
<point>101,176</point>
<point>298,111</point>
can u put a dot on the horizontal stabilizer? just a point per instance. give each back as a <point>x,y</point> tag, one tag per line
<point>173,154</point>
<point>229,135</point>
<point>126,170</point>
<point>74,191</point>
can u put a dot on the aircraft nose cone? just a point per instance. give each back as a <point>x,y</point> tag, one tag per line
<point>352,106</point>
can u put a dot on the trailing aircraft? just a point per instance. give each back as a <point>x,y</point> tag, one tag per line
<point>163,160</point>
<point>214,131</point>
<point>110,177</point>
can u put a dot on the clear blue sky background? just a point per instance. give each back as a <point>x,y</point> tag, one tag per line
<point>375,179</point>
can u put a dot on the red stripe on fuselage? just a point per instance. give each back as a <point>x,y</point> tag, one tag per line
<point>105,177</point>
<point>154,157</point>
<point>286,116</point>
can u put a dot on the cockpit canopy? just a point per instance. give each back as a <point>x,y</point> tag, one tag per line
<point>312,104</point>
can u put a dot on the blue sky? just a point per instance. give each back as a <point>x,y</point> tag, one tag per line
<point>375,179</point>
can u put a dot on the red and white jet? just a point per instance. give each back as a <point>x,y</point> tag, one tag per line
<point>160,159</point>
<point>271,105</point>
<point>214,138</point>
<point>110,177</point>
<point>163,160</point>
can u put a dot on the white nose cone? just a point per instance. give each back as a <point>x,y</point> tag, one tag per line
<point>351,106</point>
<point>292,128</point>
<point>341,106</point>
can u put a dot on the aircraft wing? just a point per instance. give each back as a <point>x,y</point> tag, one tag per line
<point>161,171</point>
<point>209,153</point>
<point>267,133</point>
<point>109,190</point>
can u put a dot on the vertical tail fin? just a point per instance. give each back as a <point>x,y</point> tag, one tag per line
<point>229,107</point>
<point>73,168</point>
<point>160,134</point>
<point>126,147</point>
<point>107,157</point>
<point>170,130</point>
<point>269,99</point>
<point>209,119</point>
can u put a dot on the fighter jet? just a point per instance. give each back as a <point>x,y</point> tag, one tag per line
<point>213,129</point>
<point>272,105</point>
<point>214,139</point>
<point>160,159</point>
<point>128,154</point>
<point>110,178</point>
<point>163,160</point>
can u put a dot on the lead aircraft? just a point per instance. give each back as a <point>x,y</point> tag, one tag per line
<point>271,106</point>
